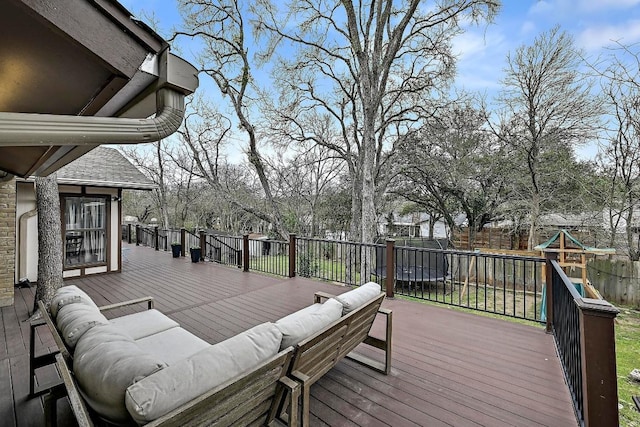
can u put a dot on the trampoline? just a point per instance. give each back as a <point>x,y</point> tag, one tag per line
<point>414,265</point>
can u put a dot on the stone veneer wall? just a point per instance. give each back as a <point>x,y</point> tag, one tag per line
<point>7,241</point>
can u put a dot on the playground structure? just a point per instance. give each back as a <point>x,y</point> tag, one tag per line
<point>572,258</point>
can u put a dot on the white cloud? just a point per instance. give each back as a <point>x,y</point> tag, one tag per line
<point>595,5</point>
<point>477,44</point>
<point>528,27</point>
<point>541,6</point>
<point>598,36</point>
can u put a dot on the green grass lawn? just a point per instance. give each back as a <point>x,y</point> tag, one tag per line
<point>628,358</point>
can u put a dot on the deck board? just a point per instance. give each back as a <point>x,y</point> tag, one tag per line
<point>450,368</point>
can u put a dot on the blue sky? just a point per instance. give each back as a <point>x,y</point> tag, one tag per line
<point>482,50</point>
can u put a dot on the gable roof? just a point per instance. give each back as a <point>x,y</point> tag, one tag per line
<point>104,167</point>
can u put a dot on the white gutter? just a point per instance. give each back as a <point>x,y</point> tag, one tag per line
<point>28,129</point>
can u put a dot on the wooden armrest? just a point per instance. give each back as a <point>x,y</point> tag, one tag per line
<point>300,376</point>
<point>318,296</point>
<point>385,311</point>
<point>148,300</point>
<point>78,407</point>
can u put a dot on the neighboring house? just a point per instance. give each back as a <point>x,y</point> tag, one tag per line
<point>90,203</point>
<point>411,225</point>
<point>77,74</point>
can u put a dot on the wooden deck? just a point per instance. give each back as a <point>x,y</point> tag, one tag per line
<point>449,368</point>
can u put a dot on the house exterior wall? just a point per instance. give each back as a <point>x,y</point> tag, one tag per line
<point>26,242</point>
<point>7,241</point>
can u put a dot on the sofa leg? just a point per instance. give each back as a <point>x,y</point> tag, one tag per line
<point>306,403</point>
<point>50,405</point>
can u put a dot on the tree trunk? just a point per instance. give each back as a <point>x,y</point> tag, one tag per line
<point>49,239</point>
<point>533,221</point>
<point>634,248</point>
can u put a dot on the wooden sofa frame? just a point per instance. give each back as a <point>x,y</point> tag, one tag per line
<point>317,354</point>
<point>46,359</point>
<point>252,398</point>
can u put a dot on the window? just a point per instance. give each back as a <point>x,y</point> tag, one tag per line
<point>85,230</point>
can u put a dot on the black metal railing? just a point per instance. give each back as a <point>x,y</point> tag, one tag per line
<point>269,256</point>
<point>566,331</point>
<point>225,250</point>
<point>146,237</point>
<point>508,285</point>
<point>337,261</point>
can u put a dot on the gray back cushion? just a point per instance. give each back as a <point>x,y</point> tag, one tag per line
<point>357,297</point>
<point>106,362</point>
<point>306,322</point>
<point>160,393</point>
<point>68,295</point>
<point>73,320</point>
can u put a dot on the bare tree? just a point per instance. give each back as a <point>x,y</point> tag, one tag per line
<point>154,165</point>
<point>221,27</point>
<point>49,239</point>
<point>453,165</point>
<point>546,104</point>
<point>620,159</point>
<point>372,68</point>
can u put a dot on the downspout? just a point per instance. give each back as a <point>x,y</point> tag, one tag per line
<point>29,129</point>
<point>22,242</point>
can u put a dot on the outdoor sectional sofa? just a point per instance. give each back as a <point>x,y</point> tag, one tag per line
<point>144,368</point>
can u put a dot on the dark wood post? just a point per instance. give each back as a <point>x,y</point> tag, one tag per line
<point>129,233</point>
<point>203,244</point>
<point>598,348</point>
<point>137,234</point>
<point>156,238</point>
<point>549,256</point>
<point>292,255</point>
<point>183,241</point>
<point>391,267</point>
<point>245,253</point>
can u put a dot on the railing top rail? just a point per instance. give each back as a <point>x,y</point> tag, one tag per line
<point>253,239</point>
<point>474,253</point>
<point>567,283</point>
<point>343,242</point>
<point>224,243</point>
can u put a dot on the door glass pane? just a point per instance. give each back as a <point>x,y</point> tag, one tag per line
<point>85,230</point>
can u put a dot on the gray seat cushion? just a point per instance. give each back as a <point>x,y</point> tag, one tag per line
<point>172,345</point>
<point>144,323</point>
<point>68,295</point>
<point>306,322</point>
<point>357,297</point>
<point>74,320</point>
<point>106,362</point>
<point>160,393</point>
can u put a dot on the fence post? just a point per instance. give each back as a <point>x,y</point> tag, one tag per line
<point>549,256</point>
<point>391,267</point>
<point>183,241</point>
<point>155,238</point>
<point>598,348</point>
<point>203,245</point>
<point>292,255</point>
<point>245,253</point>
<point>129,233</point>
<point>137,234</point>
